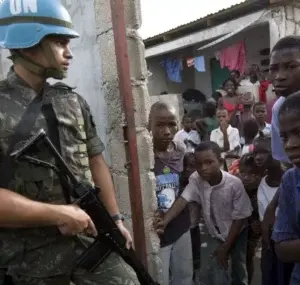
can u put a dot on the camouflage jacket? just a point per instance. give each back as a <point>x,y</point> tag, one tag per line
<point>44,251</point>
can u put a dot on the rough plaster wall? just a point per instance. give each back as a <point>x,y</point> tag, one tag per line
<point>285,21</point>
<point>116,145</point>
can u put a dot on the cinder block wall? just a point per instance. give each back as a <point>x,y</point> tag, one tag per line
<point>115,122</point>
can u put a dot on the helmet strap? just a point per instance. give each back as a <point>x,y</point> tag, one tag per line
<point>56,73</point>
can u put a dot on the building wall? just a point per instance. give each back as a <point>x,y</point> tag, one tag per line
<point>256,39</point>
<point>158,80</point>
<point>285,21</point>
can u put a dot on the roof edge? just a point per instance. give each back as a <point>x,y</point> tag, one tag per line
<point>234,8</point>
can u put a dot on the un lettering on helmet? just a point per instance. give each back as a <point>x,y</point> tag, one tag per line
<point>23,6</point>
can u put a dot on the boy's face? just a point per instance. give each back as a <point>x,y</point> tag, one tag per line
<point>289,125</point>
<point>260,113</point>
<point>285,71</point>
<point>222,116</point>
<point>187,124</point>
<point>163,127</point>
<point>249,178</point>
<point>207,164</point>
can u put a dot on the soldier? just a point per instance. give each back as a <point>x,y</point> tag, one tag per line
<point>39,234</point>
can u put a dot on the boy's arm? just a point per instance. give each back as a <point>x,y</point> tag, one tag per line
<point>235,145</point>
<point>242,209</point>
<point>188,195</point>
<point>284,234</point>
<point>234,232</point>
<point>269,218</point>
<point>226,145</point>
<point>175,210</point>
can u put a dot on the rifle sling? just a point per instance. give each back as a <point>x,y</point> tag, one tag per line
<point>22,132</point>
<point>53,133</point>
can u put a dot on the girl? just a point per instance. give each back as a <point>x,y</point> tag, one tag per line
<point>273,270</point>
<point>232,102</point>
<point>251,177</point>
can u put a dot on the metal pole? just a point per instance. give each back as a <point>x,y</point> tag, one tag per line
<point>119,29</point>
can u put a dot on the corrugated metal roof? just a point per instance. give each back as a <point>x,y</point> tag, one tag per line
<point>190,24</point>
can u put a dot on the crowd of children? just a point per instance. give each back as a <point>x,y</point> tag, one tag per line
<point>234,182</point>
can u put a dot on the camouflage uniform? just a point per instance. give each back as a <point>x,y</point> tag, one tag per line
<point>43,256</point>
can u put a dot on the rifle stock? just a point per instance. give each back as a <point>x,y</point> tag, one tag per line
<point>109,236</point>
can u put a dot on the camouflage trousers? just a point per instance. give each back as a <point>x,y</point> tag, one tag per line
<point>113,271</point>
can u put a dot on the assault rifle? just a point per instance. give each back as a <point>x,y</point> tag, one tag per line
<point>109,237</point>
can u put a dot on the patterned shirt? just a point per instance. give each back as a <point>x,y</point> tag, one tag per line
<point>287,224</point>
<point>221,204</point>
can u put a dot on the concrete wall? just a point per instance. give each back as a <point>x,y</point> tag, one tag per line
<point>116,145</point>
<point>285,21</point>
<point>85,72</point>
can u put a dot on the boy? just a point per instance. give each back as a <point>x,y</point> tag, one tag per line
<point>225,208</point>
<point>226,136</point>
<point>175,242</point>
<point>260,114</point>
<point>286,232</point>
<point>285,77</point>
<point>187,130</point>
<point>273,270</point>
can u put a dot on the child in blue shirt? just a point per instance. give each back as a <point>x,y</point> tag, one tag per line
<point>286,233</point>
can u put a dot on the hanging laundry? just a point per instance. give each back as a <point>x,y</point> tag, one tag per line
<point>234,57</point>
<point>200,63</point>
<point>173,68</point>
<point>190,62</point>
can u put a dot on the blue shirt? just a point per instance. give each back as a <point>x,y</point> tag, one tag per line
<point>287,224</point>
<point>278,152</point>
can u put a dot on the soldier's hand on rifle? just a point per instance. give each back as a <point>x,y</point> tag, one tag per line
<point>72,221</point>
<point>126,234</point>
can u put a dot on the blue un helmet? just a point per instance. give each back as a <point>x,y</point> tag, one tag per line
<point>25,23</point>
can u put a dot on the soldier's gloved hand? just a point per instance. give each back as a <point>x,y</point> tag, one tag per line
<point>72,221</point>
